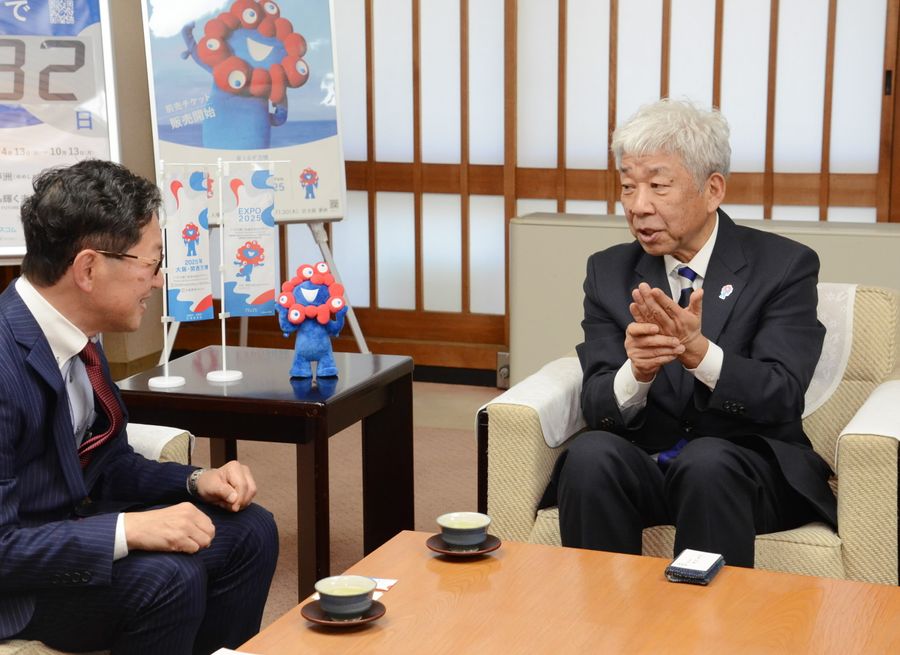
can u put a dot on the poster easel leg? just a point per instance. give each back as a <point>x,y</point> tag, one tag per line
<point>321,237</point>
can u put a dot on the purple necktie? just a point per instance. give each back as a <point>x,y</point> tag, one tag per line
<point>688,276</point>
<point>108,401</point>
<point>665,457</point>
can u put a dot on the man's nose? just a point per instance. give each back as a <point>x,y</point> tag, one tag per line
<point>641,202</point>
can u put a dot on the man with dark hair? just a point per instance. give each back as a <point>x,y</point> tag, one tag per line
<point>700,339</point>
<point>101,548</point>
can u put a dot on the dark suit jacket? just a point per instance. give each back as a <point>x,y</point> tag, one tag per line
<point>767,328</point>
<point>43,544</point>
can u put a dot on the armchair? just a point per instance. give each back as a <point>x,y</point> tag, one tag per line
<point>853,421</point>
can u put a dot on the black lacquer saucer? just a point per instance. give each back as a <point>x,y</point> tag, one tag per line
<point>437,544</point>
<point>312,611</point>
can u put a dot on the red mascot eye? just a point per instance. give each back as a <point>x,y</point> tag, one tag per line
<point>296,315</point>
<point>212,51</point>
<point>271,8</point>
<point>232,74</point>
<point>237,79</point>
<point>249,17</point>
<point>296,70</point>
<point>336,304</point>
<point>285,300</point>
<point>322,267</point>
<point>307,272</point>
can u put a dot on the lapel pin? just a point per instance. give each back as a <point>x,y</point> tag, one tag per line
<point>725,292</point>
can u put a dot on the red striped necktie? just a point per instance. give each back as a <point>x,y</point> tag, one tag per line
<point>108,401</point>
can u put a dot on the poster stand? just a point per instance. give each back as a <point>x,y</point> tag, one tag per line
<point>223,374</point>
<point>321,239</point>
<point>165,381</point>
<point>320,236</point>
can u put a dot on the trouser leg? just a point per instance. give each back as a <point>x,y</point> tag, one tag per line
<point>175,604</point>
<point>609,490</point>
<point>240,566</point>
<point>154,605</point>
<point>722,495</point>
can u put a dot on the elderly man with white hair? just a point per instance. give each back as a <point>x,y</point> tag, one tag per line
<point>700,338</point>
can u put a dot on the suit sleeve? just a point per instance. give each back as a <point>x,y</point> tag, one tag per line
<point>769,362</point>
<point>602,353</point>
<point>130,476</point>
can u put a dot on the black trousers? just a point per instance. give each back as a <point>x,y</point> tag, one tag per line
<point>718,494</point>
<point>170,603</point>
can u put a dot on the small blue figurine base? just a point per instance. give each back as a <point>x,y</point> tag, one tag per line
<point>312,305</point>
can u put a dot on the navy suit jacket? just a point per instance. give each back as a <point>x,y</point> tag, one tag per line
<point>759,306</point>
<point>43,544</point>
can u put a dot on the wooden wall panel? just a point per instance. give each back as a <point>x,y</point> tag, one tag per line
<point>468,339</point>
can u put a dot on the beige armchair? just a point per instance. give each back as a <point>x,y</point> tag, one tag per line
<point>153,442</point>
<point>856,429</point>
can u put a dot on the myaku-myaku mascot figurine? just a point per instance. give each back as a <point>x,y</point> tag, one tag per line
<point>312,305</point>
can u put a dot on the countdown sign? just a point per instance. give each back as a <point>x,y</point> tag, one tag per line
<point>53,105</point>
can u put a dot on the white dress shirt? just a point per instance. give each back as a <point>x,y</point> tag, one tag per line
<point>631,395</point>
<point>66,341</point>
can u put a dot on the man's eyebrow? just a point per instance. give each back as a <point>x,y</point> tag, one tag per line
<point>659,170</point>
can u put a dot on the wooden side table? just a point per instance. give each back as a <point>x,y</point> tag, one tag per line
<point>267,405</point>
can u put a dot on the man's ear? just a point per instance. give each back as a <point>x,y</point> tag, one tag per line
<point>715,191</point>
<point>84,269</point>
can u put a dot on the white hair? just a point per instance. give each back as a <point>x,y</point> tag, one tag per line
<point>698,136</point>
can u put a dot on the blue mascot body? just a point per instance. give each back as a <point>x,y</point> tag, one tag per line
<point>312,305</point>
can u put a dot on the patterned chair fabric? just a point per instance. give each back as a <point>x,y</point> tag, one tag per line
<point>519,464</point>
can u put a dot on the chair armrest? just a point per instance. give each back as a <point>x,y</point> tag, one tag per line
<point>161,443</point>
<point>554,393</point>
<point>866,462</point>
<point>519,459</point>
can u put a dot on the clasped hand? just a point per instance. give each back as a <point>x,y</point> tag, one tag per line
<point>184,528</point>
<point>662,331</point>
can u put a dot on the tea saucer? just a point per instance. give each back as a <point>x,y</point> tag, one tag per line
<point>313,612</point>
<point>436,543</point>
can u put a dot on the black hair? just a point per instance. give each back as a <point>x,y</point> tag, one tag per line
<point>92,204</point>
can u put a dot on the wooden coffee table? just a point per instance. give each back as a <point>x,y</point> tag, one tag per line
<point>267,405</point>
<point>526,598</point>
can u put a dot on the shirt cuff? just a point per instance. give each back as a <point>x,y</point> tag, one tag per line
<point>710,367</point>
<point>629,391</point>
<point>120,549</point>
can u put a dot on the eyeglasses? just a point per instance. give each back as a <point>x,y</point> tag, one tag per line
<point>155,263</point>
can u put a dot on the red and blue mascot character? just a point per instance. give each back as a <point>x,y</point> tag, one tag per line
<point>312,305</point>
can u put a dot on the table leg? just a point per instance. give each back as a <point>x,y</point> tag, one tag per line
<point>387,470</point>
<point>313,538</point>
<point>222,451</point>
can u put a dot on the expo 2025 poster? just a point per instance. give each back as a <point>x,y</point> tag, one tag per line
<point>248,81</point>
